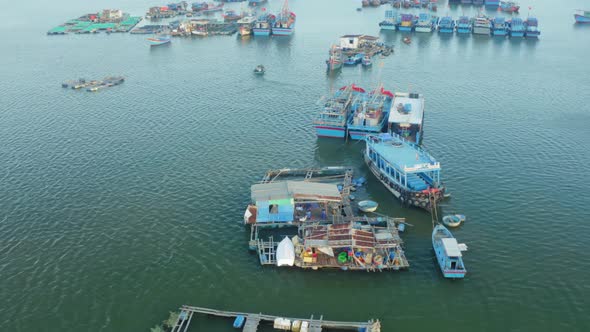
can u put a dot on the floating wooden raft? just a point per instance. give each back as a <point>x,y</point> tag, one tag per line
<point>254,320</point>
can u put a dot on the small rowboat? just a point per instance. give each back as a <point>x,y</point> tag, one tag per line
<point>259,70</point>
<point>368,206</point>
<point>453,220</point>
<point>407,40</point>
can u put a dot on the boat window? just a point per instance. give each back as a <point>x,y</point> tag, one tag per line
<point>453,265</point>
<point>273,208</point>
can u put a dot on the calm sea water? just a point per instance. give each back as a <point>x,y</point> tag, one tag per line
<point>119,206</point>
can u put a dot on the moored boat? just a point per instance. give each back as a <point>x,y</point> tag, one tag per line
<point>582,16</point>
<point>158,40</point>
<point>509,6</point>
<point>212,8</point>
<point>369,113</point>
<point>407,22</point>
<point>464,25</point>
<point>410,173</point>
<point>499,26</point>
<point>453,220</point>
<point>390,22</point>
<point>426,22</point>
<point>256,3</point>
<point>406,117</point>
<point>285,22</point>
<point>263,25</point>
<point>245,25</point>
<point>481,25</point>
<point>492,3</point>
<point>331,120</point>
<point>259,70</point>
<point>446,25</point>
<point>448,253</point>
<point>231,16</point>
<point>368,206</point>
<point>532,28</point>
<point>367,61</point>
<point>516,27</point>
<point>334,61</point>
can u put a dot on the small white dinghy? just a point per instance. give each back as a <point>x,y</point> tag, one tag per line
<point>453,220</point>
<point>368,206</point>
<point>286,252</point>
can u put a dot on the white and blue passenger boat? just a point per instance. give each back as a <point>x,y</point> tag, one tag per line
<point>464,25</point>
<point>516,27</point>
<point>406,117</point>
<point>446,25</point>
<point>369,113</point>
<point>406,170</point>
<point>448,253</point>
<point>499,26</point>
<point>532,28</point>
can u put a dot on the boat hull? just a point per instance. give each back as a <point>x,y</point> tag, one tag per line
<point>481,31</point>
<point>405,28</point>
<point>389,27</point>
<point>282,31</point>
<point>464,30</point>
<point>330,131</point>
<point>158,43</point>
<point>446,30</point>
<point>532,34</point>
<point>332,66</point>
<point>499,33</point>
<point>517,34</point>
<point>423,29</point>
<point>400,193</point>
<point>261,32</point>
<point>581,18</point>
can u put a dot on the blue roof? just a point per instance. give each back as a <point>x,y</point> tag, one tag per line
<point>402,154</point>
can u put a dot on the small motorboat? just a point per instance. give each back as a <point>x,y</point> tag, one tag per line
<point>407,40</point>
<point>453,220</point>
<point>367,62</point>
<point>368,206</point>
<point>359,9</point>
<point>259,70</point>
<point>582,16</point>
<point>448,253</point>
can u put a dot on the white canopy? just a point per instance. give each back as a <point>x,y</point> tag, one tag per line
<point>285,253</point>
<point>451,247</point>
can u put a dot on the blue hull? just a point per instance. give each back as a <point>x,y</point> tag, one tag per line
<point>328,131</point>
<point>454,275</point>
<point>499,33</point>
<point>581,19</point>
<point>360,134</point>
<point>464,31</point>
<point>408,29</point>
<point>264,32</point>
<point>282,32</point>
<point>516,34</point>
<point>446,30</point>
<point>492,3</point>
<point>534,34</point>
<point>388,27</point>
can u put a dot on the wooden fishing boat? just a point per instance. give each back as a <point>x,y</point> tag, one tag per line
<point>368,206</point>
<point>453,220</point>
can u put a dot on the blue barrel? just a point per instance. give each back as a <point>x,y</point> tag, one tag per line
<point>239,322</point>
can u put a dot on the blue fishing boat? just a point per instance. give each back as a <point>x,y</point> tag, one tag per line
<point>426,22</point>
<point>509,6</point>
<point>448,253</point>
<point>492,3</point>
<point>516,27</point>
<point>582,16</point>
<point>478,2</point>
<point>499,27</point>
<point>406,22</point>
<point>263,25</point>
<point>369,113</point>
<point>406,117</point>
<point>532,28</point>
<point>353,60</point>
<point>410,173</point>
<point>284,25</point>
<point>390,22</point>
<point>158,40</point>
<point>464,25</point>
<point>331,120</point>
<point>446,25</point>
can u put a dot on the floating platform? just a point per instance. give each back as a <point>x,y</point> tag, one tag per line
<point>253,321</point>
<point>108,21</point>
<point>93,85</point>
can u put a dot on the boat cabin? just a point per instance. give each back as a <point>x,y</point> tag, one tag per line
<point>407,116</point>
<point>453,254</point>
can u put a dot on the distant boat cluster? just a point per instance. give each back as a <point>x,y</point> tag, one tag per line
<point>479,25</point>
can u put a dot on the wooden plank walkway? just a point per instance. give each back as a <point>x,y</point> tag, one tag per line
<point>254,320</point>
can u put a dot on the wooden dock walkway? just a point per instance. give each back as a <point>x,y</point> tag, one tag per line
<point>254,320</point>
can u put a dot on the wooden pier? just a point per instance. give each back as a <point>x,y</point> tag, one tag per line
<point>253,321</point>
